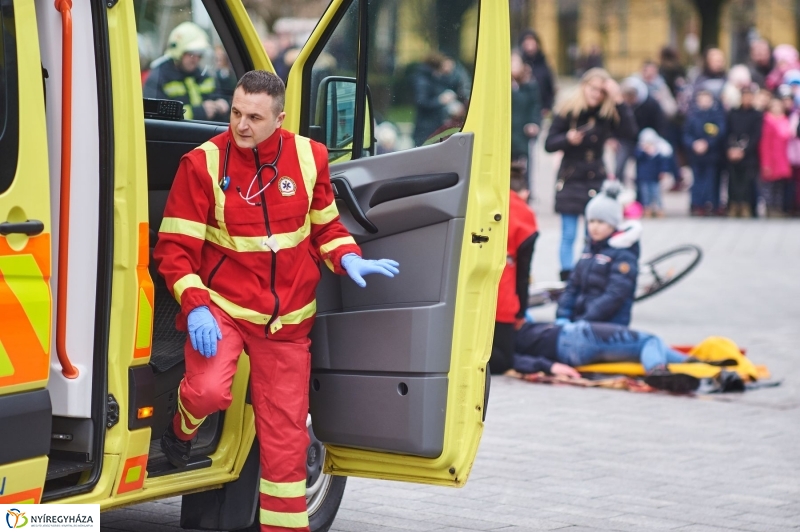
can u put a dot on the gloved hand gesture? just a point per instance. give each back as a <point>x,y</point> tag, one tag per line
<point>203,331</point>
<point>357,268</point>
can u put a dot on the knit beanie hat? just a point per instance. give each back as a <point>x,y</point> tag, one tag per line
<point>604,206</point>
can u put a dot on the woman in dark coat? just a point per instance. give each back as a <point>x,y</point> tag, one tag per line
<point>581,126</point>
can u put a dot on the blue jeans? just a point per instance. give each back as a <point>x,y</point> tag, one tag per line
<point>569,231</point>
<point>705,179</point>
<point>581,343</point>
<point>650,194</point>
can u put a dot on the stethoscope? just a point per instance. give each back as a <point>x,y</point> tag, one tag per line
<point>225,181</point>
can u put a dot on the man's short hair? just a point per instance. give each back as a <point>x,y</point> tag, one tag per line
<point>261,81</point>
<point>518,179</point>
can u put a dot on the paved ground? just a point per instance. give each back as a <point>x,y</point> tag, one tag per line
<point>561,458</point>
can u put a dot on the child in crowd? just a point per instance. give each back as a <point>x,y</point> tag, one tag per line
<point>744,127</point>
<point>773,152</point>
<point>703,137</point>
<point>602,285</point>
<point>512,295</point>
<point>653,159</point>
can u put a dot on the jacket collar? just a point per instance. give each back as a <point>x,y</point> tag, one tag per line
<point>266,150</point>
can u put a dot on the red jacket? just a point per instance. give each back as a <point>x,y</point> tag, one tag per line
<point>258,262</point>
<point>521,227</point>
<point>773,148</point>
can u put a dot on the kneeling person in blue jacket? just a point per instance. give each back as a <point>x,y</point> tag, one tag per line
<point>602,285</point>
<point>558,349</point>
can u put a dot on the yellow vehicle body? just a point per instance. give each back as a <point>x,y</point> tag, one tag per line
<point>120,475</point>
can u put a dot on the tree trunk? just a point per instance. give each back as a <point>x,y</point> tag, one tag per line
<point>709,11</point>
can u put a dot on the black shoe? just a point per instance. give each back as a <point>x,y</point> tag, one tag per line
<point>564,275</point>
<point>672,382</point>
<point>176,450</point>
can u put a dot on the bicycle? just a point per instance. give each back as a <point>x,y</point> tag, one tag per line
<point>655,275</point>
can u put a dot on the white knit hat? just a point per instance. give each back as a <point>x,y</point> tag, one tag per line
<point>605,207</point>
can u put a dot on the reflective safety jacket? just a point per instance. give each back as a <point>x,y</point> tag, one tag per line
<point>168,82</point>
<point>512,294</point>
<point>258,262</point>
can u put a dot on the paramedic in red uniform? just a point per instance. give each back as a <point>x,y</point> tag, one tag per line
<point>250,217</point>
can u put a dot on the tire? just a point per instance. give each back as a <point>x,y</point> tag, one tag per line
<point>323,492</point>
<point>655,275</point>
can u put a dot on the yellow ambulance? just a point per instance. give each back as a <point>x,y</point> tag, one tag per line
<point>412,100</point>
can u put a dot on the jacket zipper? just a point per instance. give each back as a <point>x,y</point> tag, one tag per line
<point>214,271</point>
<point>274,268</point>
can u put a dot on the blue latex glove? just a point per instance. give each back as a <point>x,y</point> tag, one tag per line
<point>562,321</point>
<point>203,331</point>
<point>357,268</point>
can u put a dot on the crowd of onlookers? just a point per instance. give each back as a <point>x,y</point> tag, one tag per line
<point>730,135</point>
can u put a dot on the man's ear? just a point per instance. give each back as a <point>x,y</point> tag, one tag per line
<point>279,119</point>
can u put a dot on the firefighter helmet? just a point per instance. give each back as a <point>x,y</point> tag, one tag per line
<point>186,37</point>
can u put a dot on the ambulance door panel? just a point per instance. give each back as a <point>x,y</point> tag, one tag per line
<point>398,384</point>
<point>25,237</point>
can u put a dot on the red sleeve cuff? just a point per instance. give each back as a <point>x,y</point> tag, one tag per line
<point>190,300</point>
<point>335,257</point>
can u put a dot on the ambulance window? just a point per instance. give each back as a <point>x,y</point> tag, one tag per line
<point>9,104</point>
<point>419,74</point>
<point>181,57</point>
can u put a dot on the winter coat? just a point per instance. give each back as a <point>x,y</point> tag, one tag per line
<point>168,82</point>
<point>708,124</point>
<point>541,73</point>
<point>773,148</point>
<point>744,131</point>
<point>526,108</point>
<point>431,113</point>
<point>512,295</point>
<point>603,283</point>
<point>650,114</point>
<point>582,170</point>
<point>259,260</point>
<point>650,167</point>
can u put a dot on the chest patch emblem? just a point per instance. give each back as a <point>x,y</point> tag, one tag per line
<point>624,268</point>
<point>287,186</point>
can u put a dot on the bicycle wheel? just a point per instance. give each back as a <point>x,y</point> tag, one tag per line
<point>665,270</point>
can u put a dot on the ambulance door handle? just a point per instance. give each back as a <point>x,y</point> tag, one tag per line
<point>343,191</point>
<point>29,227</point>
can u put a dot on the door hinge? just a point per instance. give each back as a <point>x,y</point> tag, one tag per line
<point>479,239</point>
<point>111,3</point>
<point>112,411</point>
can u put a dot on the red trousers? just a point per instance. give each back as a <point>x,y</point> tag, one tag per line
<point>279,375</point>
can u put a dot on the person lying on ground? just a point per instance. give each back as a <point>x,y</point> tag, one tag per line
<point>558,349</point>
<point>602,285</point>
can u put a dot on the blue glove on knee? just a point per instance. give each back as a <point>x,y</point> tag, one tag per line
<point>357,268</point>
<point>562,321</point>
<point>203,331</point>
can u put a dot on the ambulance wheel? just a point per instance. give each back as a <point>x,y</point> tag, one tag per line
<point>323,492</point>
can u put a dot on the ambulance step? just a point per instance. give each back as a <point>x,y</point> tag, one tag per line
<point>62,468</point>
<point>158,465</point>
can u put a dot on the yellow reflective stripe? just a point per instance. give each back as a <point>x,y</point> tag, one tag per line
<point>193,420</point>
<point>284,490</point>
<point>326,215</point>
<point>195,98</point>
<point>324,249</point>
<point>286,520</point>
<point>208,85</point>
<point>174,88</point>
<point>181,226</point>
<point>188,112</point>
<point>6,367</point>
<point>308,166</point>
<point>191,280</point>
<point>300,315</point>
<point>212,166</point>
<point>258,243</point>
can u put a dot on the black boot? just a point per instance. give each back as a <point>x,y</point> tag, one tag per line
<point>680,383</point>
<point>176,450</point>
<point>565,275</point>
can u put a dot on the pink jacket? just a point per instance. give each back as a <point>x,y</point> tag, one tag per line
<point>774,148</point>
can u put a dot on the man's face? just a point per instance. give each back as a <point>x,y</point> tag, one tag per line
<point>599,231</point>
<point>649,72</point>
<point>190,61</point>
<point>529,46</point>
<point>716,60</point>
<point>759,53</point>
<point>747,99</point>
<point>253,118</point>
